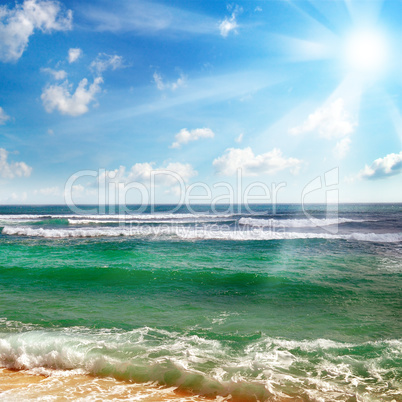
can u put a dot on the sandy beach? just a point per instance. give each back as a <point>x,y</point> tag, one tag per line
<point>24,385</point>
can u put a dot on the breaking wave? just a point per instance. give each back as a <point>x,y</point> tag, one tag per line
<point>260,368</point>
<point>193,233</point>
<point>294,223</point>
<point>114,217</point>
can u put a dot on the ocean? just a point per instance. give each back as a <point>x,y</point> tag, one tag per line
<point>273,303</point>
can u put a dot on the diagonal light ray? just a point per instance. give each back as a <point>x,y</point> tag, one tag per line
<point>334,11</point>
<point>364,12</point>
<point>349,90</point>
<point>201,91</point>
<point>310,11</point>
<point>295,50</point>
<point>395,116</point>
<point>147,17</point>
<point>211,89</point>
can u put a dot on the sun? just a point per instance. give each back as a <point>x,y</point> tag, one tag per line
<point>366,52</point>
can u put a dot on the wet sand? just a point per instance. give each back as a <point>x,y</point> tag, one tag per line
<point>22,385</point>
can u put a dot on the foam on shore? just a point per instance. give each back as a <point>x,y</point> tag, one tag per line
<point>26,384</point>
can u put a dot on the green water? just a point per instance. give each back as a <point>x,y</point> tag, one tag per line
<point>301,290</point>
<point>318,318</point>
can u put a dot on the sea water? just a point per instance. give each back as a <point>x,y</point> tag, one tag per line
<point>237,304</point>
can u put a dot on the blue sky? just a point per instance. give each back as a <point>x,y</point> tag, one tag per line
<point>274,91</point>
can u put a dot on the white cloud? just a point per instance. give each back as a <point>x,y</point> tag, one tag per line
<point>105,61</point>
<point>78,188</point>
<point>48,191</point>
<point>184,170</point>
<point>180,82</point>
<point>342,147</point>
<point>158,81</point>
<point>253,165</point>
<point>390,165</point>
<point>184,136</point>
<point>77,191</point>
<point>19,23</point>
<point>14,197</point>
<point>74,54</point>
<point>12,169</point>
<point>229,23</point>
<point>61,96</point>
<point>141,172</point>
<point>3,116</point>
<point>74,104</point>
<point>57,74</point>
<point>330,121</point>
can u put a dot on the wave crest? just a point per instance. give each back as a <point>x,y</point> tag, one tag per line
<point>294,223</point>
<point>264,367</point>
<point>194,233</point>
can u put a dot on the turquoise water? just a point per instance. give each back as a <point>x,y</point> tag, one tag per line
<point>255,306</point>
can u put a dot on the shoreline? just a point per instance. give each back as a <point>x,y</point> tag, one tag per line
<point>26,385</point>
<point>23,385</point>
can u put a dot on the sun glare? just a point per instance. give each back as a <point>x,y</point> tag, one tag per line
<point>366,52</point>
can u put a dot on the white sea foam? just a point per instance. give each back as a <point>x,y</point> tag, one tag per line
<point>377,237</point>
<point>249,235</point>
<point>65,233</point>
<point>102,217</point>
<point>180,218</point>
<point>192,219</point>
<point>73,386</point>
<point>266,366</point>
<point>25,217</point>
<point>17,221</point>
<point>145,217</point>
<point>294,223</point>
<point>194,233</point>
